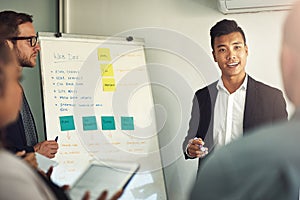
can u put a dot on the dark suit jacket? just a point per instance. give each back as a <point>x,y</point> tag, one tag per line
<point>15,139</point>
<point>263,105</point>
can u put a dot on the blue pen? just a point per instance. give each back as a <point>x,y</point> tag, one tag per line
<point>56,138</point>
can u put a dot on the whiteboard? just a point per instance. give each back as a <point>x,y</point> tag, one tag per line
<point>97,99</point>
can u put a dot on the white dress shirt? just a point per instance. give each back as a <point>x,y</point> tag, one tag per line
<point>229,114</point>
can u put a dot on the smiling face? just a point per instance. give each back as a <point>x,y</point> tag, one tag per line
<point>26,54</point>
<point>230,52</point>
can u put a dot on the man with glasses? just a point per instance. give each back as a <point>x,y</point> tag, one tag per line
<point>22,135</point>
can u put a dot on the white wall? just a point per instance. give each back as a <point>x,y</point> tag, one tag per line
<point>179,57</point>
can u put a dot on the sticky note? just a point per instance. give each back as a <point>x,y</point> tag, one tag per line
<point>107,70</point>
<point>127,123</point>
<point>66,123</point>
<point>89,123</point>
<point>108,123</point>
<point>108,84</point>
<point>104,54</point>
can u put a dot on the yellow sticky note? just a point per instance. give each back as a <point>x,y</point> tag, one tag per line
<point>107,70</point>
<point>104,54</point>
<point>108,84</point>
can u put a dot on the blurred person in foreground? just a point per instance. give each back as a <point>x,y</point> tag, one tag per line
<point>19,179</point>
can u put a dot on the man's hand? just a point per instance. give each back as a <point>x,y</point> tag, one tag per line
<point>196,148</point>
<point>29,158</point>
<point>47,148</point>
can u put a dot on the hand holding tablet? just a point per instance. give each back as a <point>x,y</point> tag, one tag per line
<point>110,176</point>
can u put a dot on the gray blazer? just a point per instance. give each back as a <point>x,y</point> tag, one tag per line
<point>263,105</point>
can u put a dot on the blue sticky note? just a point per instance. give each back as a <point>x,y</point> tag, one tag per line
<point>127,123</point>
<point>89,123</point>
<point>66,123</point>
<point>108,123</point>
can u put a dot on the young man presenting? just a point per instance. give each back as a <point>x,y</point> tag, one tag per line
<point>235,103</point>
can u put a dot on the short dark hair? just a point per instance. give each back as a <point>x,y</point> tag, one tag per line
<point>10,21</point>
<point>6,57</point>
<point>224,27</point>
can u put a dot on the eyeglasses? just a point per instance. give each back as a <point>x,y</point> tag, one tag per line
<point>31,39</point>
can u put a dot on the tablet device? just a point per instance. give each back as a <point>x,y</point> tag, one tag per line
<point>110,176</point>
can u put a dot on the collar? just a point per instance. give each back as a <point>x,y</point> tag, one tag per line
<point>220,84</point>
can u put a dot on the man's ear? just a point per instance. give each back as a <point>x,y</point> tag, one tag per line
<point>213,53</point>
<point>246,49</point>
<point>10,44</point>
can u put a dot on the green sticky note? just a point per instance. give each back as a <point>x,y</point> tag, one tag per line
<point>108,123</point>
<point>127,123</point>
<point>66,123</point>
<point>89,123</point>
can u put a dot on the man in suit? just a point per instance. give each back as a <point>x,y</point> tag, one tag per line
<point>265,164</point>
<point>235,103</point>
<point>22,135</point>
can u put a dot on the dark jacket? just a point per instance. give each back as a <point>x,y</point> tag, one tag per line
<point>263,105</point>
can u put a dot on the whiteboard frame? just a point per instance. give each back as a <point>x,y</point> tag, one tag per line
<point>92,38</point>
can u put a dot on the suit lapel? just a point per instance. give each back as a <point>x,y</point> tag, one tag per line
<point>250,102</point>
<point>213,92</point>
